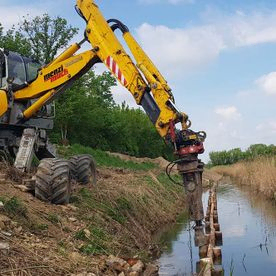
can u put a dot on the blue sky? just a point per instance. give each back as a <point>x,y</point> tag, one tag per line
<point>218,56</point>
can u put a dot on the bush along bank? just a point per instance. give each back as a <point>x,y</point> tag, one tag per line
<point>219,158</point>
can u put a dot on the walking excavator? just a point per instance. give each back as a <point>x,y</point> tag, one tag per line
<point>28,89</point>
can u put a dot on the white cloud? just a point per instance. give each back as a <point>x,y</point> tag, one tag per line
<point>228,113</point>
<point>246,30</point>
<point>178,50</point>
<point>175,49</point>
<point>173,2</point>
<point>267,83</point>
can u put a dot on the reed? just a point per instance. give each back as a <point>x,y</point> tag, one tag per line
<point>259,174</point>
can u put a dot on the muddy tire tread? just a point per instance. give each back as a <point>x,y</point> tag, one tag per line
<point>53,181</point>
<point>83,167</point>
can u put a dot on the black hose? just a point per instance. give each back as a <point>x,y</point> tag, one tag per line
<point>169,169</point>
<point>80,13</point>
<point>118,25</point>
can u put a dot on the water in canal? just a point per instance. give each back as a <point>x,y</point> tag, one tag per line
<point>248,224</point>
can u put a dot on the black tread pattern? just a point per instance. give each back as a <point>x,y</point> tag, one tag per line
<point>83,169</point>
<point>53,181</point>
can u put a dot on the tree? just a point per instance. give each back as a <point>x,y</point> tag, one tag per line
<point>40,38</point>
<point>46,35</point>
<point>13,40</point>
<point>258,150</point>
<point>98,87</point>
<point>236,155</point>
<point>84,107</point>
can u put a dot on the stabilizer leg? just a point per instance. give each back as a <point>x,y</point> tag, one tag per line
<point>25,153</point>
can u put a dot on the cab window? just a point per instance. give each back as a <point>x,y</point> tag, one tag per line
<point>16,69</point>
<point>32,68</point>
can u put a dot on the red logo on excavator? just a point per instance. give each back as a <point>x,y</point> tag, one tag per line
<point>56,74</point>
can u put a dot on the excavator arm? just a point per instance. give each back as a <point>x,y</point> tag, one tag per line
<point>142,79</point>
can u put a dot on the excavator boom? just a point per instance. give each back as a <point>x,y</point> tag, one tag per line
<point>150,90</point>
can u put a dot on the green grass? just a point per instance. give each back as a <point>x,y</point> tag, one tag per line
<point>62,248</point>
<point>151,183</point>
<point>88,201</point>
<point>123,204</point>
<point>117,215</point>
<point>104,159</point>
<point>165,182</point>
<point>15,208</point>
<point>164,179</point>
<point>96,243</point>
<point>54,218</point>
<point>93,249</point>
<point>42,227</point>
<point>98,233</point>
<point>3,199</point>
<point>38,228</point>
<point>80,235</point>
<point>85,193</point>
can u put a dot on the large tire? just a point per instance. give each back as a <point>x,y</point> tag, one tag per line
<point>53,181</point>
<point>83,169</point>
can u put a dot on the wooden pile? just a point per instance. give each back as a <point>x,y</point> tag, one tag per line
<point>210,240</point>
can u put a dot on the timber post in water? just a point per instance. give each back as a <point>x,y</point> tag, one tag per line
<point>209,250</point>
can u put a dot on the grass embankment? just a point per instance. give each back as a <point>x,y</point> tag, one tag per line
<point>104,159</point>
<point>258,174</point>
<point>119,216</point>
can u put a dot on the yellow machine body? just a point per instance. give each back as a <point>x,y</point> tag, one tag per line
<point>3,102</point>
<point>55,75</point>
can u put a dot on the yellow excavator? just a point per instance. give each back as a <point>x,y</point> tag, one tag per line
<point>27,92</point>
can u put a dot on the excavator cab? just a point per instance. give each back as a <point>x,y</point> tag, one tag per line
<point>20,70</point>
<point>16,73</point>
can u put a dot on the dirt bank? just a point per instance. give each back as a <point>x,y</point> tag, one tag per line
<point>259,175</point>
<point>159,161</point>
<point>119,216</point>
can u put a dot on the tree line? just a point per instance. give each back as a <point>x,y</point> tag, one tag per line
<point>235,155</point>
<point>86,113</point>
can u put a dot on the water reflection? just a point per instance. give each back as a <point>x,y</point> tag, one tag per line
<point>248,224</point>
